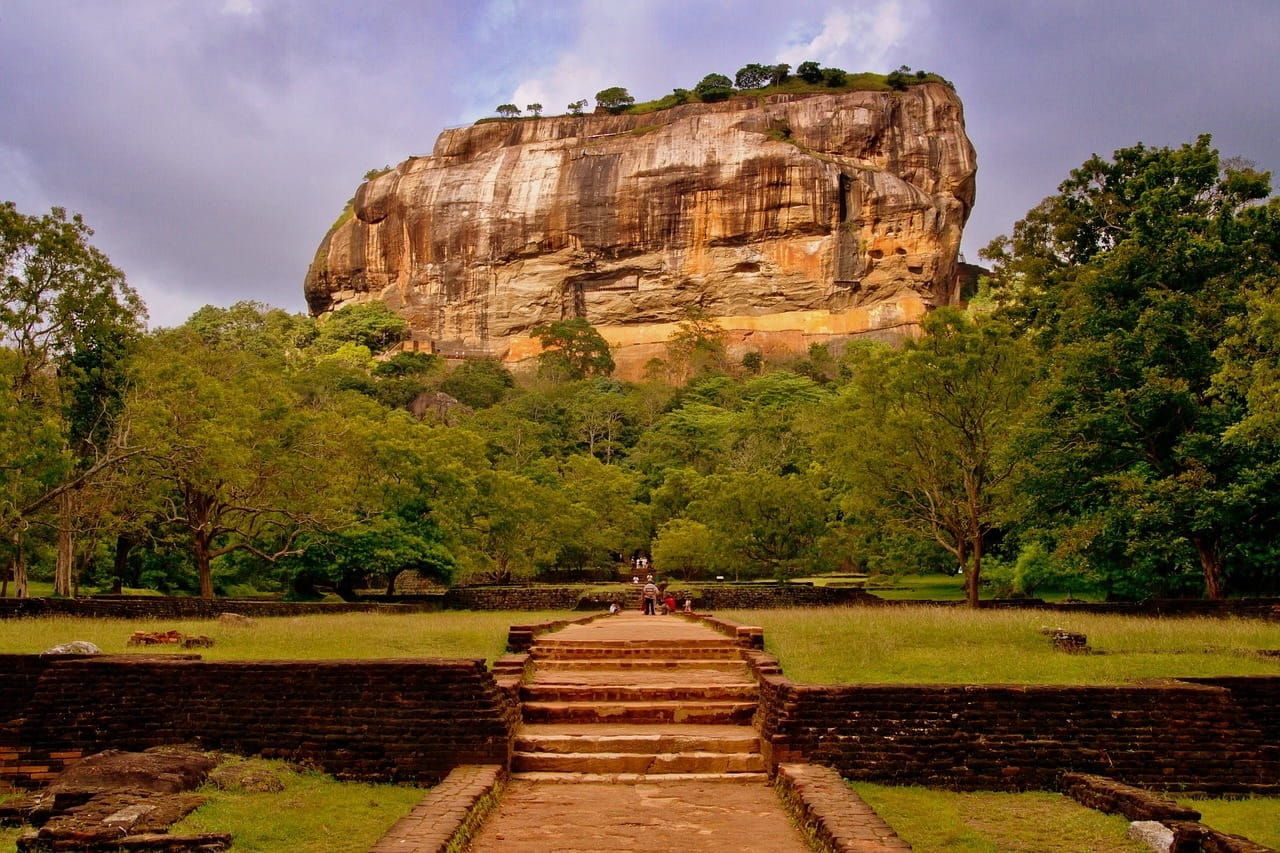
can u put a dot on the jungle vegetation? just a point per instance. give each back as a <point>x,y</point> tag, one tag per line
<point>1107,422</point>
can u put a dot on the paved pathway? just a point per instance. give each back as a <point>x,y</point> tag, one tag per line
<point>536,817</point>
<point>621,683</point>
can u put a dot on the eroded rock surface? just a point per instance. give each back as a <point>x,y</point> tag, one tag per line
<point>118,800</point>
<point>788,218</point>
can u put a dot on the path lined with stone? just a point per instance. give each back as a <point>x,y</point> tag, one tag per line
<point>637,737</point>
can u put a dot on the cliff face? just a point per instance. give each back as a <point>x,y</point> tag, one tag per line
<point>789,219</point>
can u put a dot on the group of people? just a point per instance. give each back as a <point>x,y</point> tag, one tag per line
<point>652,598</point>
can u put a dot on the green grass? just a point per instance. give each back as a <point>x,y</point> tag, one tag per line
<point>905,644</point>
<point>9,834</point>
<point>1256,818</point>
<point>314,812</point>
<point>448,634</point>
<point>918,587</point>
<point>1034,822</point>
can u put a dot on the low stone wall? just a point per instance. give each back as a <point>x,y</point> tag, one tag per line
<point>529,598</point>
<point>388,720</point>
<point>706,597</point>
<point>1172,735</point>
<point>172,607</point>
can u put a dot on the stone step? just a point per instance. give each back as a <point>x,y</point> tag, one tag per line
<point>642,778</point>
<point>627,652</point>
<point>552,664</point>
<point>649,740</point>
<point>638,762</point>
<point>700,712</point>
<point>543,692</point>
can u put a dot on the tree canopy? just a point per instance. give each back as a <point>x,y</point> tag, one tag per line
<point>1105,422</point>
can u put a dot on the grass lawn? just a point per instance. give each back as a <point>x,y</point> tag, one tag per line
<point>448,634</point>
<point>1256,818</point>
<point>1034,822</point>
<point>313,813</point>
<point>904,644</point>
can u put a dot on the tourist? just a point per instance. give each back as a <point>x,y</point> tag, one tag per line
<point>670,603</point>
<point>614,608</point>
<point>688,605</point>
<point>650,596</point>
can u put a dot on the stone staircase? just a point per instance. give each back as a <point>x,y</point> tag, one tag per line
<point>676,703</point>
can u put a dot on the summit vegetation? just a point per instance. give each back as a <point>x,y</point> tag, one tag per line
<point>1102,419</point>
<point>753,79</point>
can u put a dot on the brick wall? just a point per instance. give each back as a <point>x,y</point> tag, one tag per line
<point>705,597</point>
<point>1170,735</point>
<point>410,720</point>
<point>165,607</point>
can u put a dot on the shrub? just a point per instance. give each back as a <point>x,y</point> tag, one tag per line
<point>714,87</point>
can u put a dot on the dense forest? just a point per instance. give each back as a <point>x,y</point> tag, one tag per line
<point>1103,417</point>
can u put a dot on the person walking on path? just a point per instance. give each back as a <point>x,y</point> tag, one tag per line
<point>650,594</point>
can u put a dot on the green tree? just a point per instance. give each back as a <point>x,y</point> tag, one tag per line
<point>534,109</point>
<point>603,419</point>
<point>247,467</point>
<point>371,324</point>
<point>615,99</point>
<point>478,382</point>
<point>508,110</point>
<point>572,349</point>
<point>921,437</point>
<point>754,76</point>
<point>713,87</point>
<point>697,345</point>
<point>779,74</point>
<point>69,322</point>
<point>577,107</point>
<point>809,72</point>
<point>1130,279</point>
<point>687,549</point>
<point>768,524</point>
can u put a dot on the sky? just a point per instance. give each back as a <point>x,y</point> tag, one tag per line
<point>211,143</point>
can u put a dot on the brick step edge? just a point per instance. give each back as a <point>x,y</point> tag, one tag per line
<point>727,653</point>
<point>640,778</point>
<point>831,814</point>
<point>607,693</point>
<point>646,744</point>
<point>714,664</point>
<point>659,763</point>
<point>450,813</point>
<point>702,713</point>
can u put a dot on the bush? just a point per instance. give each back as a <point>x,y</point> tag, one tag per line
<point>714,87</point>
<point>615,99</point>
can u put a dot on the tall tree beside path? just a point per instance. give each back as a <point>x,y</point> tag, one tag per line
<point>921,437</point>
<point>68,323</point>
<point>246,465</point>
<point>1131,280</point>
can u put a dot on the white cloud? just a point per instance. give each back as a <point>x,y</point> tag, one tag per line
<point>243,8</point>
<point>864,39</point>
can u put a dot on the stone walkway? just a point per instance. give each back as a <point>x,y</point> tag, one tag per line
<point>638,738</point>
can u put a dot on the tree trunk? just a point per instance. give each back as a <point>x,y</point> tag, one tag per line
<point>19,567</point>
<point>200,550</point>
<point>65,551</point>
<point>1211,563</point>
<point>121,563</point>
<point>200,513</point>
<point>971,587</point>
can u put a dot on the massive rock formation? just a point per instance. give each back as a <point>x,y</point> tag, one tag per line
<point>787,218</point>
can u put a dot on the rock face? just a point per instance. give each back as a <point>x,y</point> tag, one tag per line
<point>789,219</point>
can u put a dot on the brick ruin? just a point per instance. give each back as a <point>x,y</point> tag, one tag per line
<point>415,720</point>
